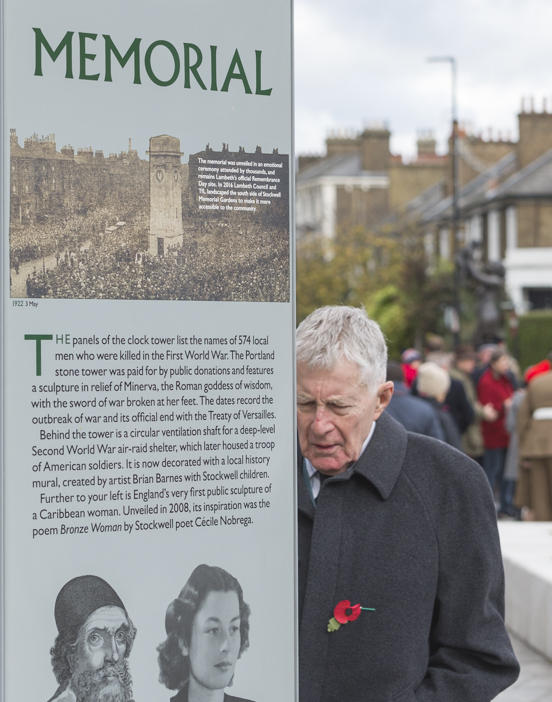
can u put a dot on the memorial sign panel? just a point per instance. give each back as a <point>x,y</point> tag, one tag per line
<point>148,401</point>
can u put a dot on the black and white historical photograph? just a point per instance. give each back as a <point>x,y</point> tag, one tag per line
<point>94,641</point>
<point>165,225</point>
<point>207,629</point>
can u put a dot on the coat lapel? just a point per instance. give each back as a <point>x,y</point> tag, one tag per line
<point>380,464</point>
<point>382,461</point>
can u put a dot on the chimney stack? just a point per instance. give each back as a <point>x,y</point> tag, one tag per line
<point>375,152</point>
<point>535,134</point>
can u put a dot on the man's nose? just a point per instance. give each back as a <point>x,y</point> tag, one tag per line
<point>322,420</point>
<point>112,652</point>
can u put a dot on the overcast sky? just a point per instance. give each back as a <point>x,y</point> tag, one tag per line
<point>363,61</point>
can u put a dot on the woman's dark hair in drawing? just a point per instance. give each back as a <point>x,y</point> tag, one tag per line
<point>173,664</point>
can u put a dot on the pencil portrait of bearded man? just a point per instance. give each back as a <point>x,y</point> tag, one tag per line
<point>90,653</point>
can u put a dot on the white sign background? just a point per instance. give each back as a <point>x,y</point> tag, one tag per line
<point>147,570</point>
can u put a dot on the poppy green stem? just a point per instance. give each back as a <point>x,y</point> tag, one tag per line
<point>371,609</point>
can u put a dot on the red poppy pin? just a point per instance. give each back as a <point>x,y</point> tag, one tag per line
<point>345,612</point>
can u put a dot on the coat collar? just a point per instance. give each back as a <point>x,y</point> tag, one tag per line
<point>380,464</point>
<point>304,498</point>
<point>382,461</point>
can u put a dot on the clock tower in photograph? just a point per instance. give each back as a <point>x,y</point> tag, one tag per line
<point>165,194</point>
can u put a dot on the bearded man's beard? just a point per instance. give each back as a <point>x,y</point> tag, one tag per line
<point>110,683</point>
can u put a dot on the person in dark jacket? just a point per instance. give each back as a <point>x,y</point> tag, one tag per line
<point>433,386</point>
<point>495,387</point>
<point>412,412</point>
<point>472,438</point>
<point>456,400</point>
<point>411,359</point>
<point>401,587</point>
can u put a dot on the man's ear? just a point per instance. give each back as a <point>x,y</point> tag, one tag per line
<point>384,394</point>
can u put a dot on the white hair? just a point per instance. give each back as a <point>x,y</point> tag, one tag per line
<point>331,334</point>
<point>433,380</point>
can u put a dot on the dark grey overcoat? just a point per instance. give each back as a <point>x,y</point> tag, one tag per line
<point>411,530</point>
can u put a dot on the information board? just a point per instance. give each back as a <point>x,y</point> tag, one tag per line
<point>148,404</point>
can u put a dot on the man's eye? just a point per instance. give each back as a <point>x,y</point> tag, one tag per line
<point>234,629</point>
<point>214,631</point>
<point>120,637</point>
<point>94,639</point>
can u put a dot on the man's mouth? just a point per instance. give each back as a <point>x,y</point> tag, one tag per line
<point>112,672</point>
<point>325,447</point>
<point>224,666</point>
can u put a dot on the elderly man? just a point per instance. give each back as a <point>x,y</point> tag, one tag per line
<point>401,588</point>
<point>95,637</point>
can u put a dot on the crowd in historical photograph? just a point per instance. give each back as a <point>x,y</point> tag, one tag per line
<point>230,263</point>
<point>32,240</point>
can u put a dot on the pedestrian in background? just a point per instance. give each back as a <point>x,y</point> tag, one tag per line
<point>484,353</point>
<point>456,401</point>
<point>512,465</point>
<point>433,383</point>
<point>412,412</point>
<point>472,438</point>
<point>495,387</point>
<point>535,440</point>
<point>411,360</point>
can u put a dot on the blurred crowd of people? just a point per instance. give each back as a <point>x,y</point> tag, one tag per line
<point>480,403</point>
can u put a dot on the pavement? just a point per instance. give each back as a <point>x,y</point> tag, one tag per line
<point>535,681</point>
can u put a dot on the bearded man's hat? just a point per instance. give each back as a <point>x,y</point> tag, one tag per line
<point>80,597</point>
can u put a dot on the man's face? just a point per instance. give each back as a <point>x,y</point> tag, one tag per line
<point>215,641</point>
<point>466,365</point>
<point>335,413</point>
<point>484,355</point>
<point>501,365</point>
<point>100,672</point>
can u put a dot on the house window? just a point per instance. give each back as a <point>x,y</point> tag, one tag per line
<point>539,298</point>
<point>511,228</point>
<point>493,253</point>
<point>444,244</point>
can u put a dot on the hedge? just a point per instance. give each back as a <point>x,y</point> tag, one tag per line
<point>534,338</point>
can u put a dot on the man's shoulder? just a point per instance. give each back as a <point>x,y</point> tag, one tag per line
<point>411,400</point>
<point>542,383</point>
<point>395,454</point>
<point>455,383</point>
<point>412,412</point>
<point>433,465</point>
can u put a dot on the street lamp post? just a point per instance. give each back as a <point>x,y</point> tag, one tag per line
<point>455,189</point>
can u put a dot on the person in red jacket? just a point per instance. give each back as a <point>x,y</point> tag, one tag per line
<point>495,387</point>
